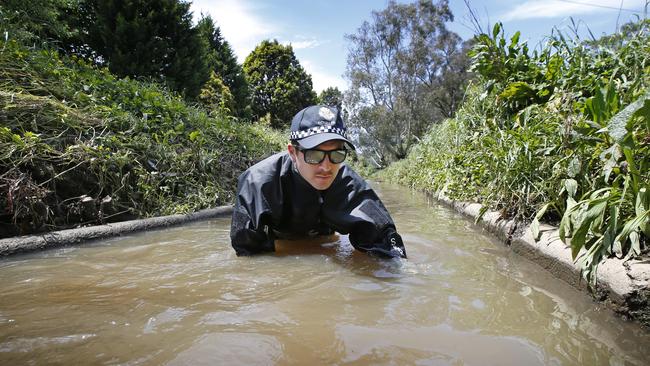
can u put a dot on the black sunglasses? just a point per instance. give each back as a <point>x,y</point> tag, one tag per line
<point>315,156</point>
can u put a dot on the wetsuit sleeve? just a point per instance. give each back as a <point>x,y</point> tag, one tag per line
<point>374,230</point>
<point>249,230</point>
<point>359,212</point>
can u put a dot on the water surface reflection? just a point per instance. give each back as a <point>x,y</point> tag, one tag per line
<point>181,296</point>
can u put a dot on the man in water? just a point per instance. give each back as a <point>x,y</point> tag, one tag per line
<point>307,191</point>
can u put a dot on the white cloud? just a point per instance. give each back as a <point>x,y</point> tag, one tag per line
<point>323,79</point>
<point>244,24</point>
<point>298,45</point>
<point>300,42</point>
<point>557,9</point>
<point>239,23</point>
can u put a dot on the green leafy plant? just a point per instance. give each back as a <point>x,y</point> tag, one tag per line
<point>79,146</point>
<point>613,219</point>
<point>558,135</point>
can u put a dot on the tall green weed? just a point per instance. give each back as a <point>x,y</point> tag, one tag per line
<point>559,134</point>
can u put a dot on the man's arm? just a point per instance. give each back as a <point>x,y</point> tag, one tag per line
<point>373,230</point>
<point>249,230</point>
<point>246,237</point>
<point>353,207</point>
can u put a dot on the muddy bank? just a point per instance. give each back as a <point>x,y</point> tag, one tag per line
<point>622,286</point>
<point>76,236</point>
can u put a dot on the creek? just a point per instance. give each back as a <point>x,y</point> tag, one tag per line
<point>181,296</point>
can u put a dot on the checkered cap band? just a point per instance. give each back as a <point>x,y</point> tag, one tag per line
<point>298,135</point>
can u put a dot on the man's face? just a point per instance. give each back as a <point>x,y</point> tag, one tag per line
<point>320,175</point>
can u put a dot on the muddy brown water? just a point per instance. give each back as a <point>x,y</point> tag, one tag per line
<point>180,296</point>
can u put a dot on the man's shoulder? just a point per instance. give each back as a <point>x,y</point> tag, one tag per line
<point>351,179</point>
<point>347,170</point>
<point>268,168</point>
<point>271,161</point>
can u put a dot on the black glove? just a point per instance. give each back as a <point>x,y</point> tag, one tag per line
<point>390,246</point>
<point>397,244</point>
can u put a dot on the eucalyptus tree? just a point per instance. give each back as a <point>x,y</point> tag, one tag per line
<point>280,86</point>
<point>401,65</point>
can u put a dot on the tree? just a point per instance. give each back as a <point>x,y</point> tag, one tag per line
<point>445,92</point>
<point>407,72</point>
<point>331,96</point>
<point>37,20</point>
<point>221,60</point>
<point>149,38</point>
<point>216,95</point>
<point>280,86</point>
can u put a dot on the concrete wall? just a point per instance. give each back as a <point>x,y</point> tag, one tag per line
<point>76,236</point>
<point>624,286</point>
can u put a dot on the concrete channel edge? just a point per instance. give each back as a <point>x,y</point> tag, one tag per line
<point>54,239</point>
<point>623,286</point>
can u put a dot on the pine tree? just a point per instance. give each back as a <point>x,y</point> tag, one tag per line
<point>37,21</point>
<point>151,39</point>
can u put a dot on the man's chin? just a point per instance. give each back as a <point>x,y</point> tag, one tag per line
<point>321,184</point>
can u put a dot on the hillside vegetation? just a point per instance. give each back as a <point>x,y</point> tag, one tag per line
<point>81,146</point>
<point>560,134</point>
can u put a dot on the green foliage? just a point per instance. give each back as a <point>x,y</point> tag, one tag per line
<point>38,21</point>
<point>613,214</point>
<point>511,72</point>
<point>500,61</point>
<point>216,96</point>
<point>148,39</point>
<point>81,146</point>
<point>561,134</point>
<point>222,61</point>
<point>331,96</point>
<point>280,86</point>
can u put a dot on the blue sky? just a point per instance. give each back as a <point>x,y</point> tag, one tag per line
<point>316,28</point>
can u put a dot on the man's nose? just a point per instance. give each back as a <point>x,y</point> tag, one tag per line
<point>326,163</point>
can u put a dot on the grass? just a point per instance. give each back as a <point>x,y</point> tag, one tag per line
<point>79,146</point>
<point>560,134</point>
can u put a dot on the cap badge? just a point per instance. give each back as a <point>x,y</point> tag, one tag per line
<point>327,114</point>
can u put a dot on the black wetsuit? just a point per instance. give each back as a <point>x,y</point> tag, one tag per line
<point>275,201</point>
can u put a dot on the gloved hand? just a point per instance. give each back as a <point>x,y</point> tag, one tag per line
<point>391,245</point>
<point>397,244</point>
